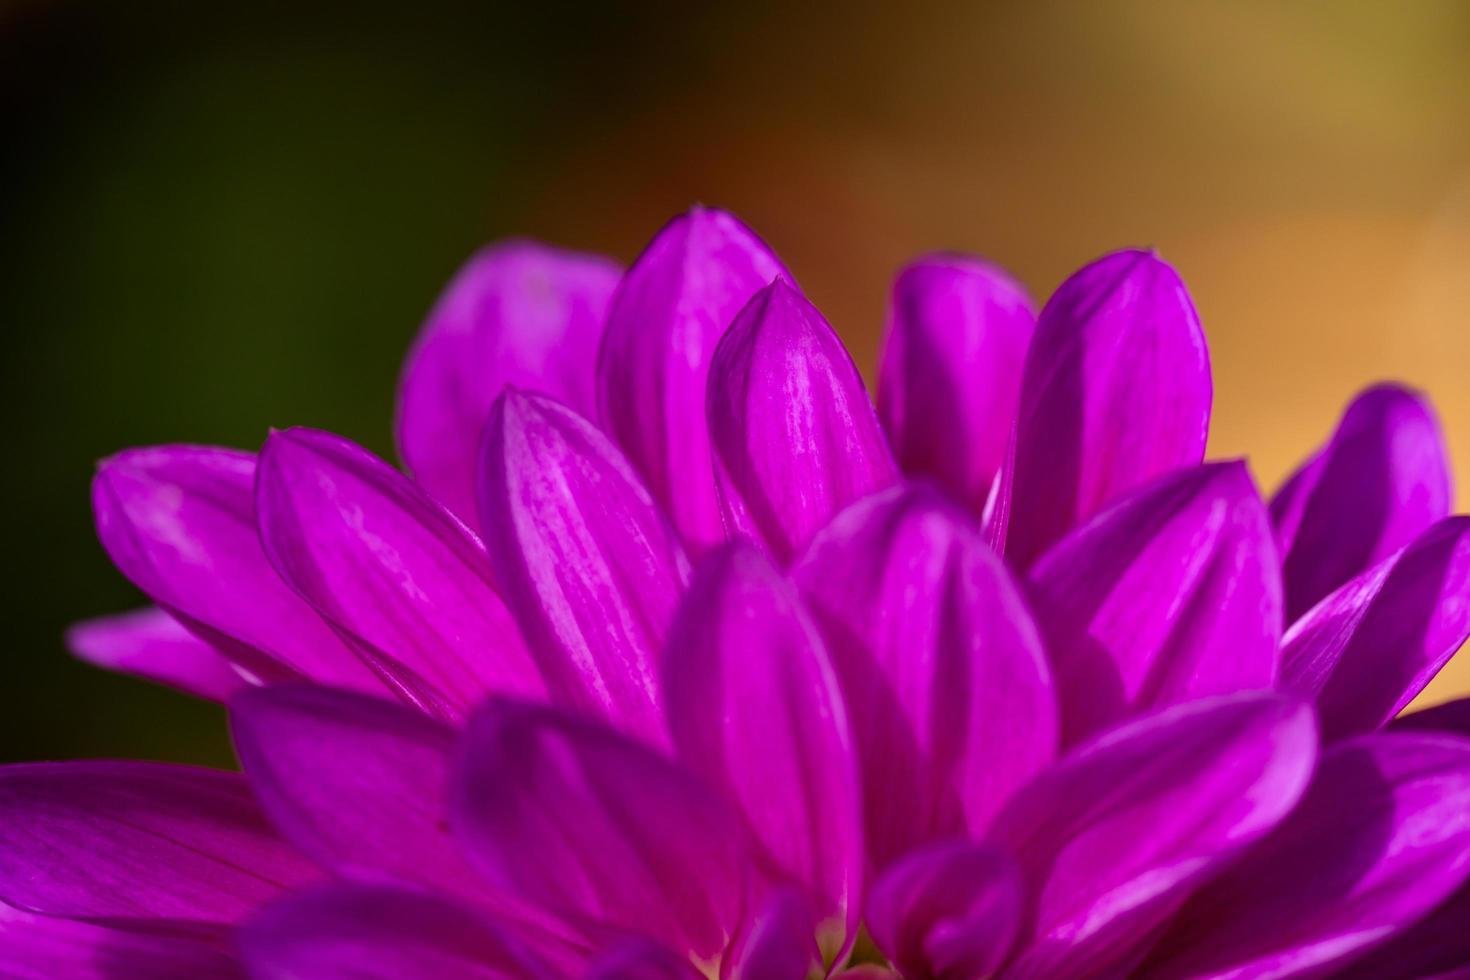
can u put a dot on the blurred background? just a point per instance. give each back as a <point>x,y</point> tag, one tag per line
<point>216,219</point>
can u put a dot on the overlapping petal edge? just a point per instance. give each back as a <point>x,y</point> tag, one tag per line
<point>676,657</point>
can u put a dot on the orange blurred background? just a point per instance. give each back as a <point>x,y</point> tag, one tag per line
<point>227,220</point>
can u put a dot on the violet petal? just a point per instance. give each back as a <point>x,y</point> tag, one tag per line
<point>150,643</point>
<point>777,944</point>
<point>1382,478</point>
<point>588,565</point>
<point>1116,391</point>
<point>1171,593</point>
<point>948,691</point>
<point>40,947</point>
<point>596,829</point>
<point>179,522</point>
<point>1115,836</point>
<point>126,840</point>
<point>518,313</point>
<point>385,564</point>
<point>1380,839</point>
<point>949,374</point>
<point>1367,649</point>
<point>669,313</point>
<point>754,708</point>
<point>794,435</point>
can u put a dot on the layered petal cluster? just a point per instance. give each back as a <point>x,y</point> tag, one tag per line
<point>671,655</point>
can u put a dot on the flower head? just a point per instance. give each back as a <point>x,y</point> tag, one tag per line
<point>673,656</point>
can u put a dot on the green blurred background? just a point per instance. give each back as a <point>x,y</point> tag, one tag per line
<point>216,218</point>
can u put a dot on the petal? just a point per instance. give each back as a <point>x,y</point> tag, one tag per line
<point>947,688</point>
<point>754,709</point>
<point>795,438</point>
<point>1450,716</point>
<point>1437,946</point>
<point>597,829</point>
<point>1366,650</point>
<point>150,643</point>
<point>1382,478</point>
<point>640,959</point>
<point>1380,839</point>
<point>359,784</point>
<point>1114,837</point>
<point>1169,594</point>
<point>590,568</point>
<point>950,911</point>
<point>386,565</point>
<point>1116,391</point>
<point>777,944</point>
<point>672,308</point>
<point>518,313</point>
<point>949,374</point>
<point>360,932</point>
<point>135,840</point>
<point>179,521</point>
<point>39,947</point>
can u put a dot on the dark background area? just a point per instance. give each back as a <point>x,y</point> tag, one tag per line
<point>216,218</point>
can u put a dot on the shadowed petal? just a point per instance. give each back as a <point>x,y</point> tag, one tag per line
<point>597,829</point>
<point>357,932</point>
<point>1171,593</point>
<point>754,708</point>
<point>777,944</point>
<point>150,643</point>
<point>795,438</point>
<point>1114,837</point>
<point>1450,716</point>
<point>1381,837</point>
<point>948,693</point>
<point>1116,391</point>
<point>39,947</point>
<point>518,313</point>
<point>949,374</point>
<point>590,568</point>
<point>1437,946</point>
<point>1382,478</point>
<point>950,911</point>
<point>1366,650</point>
<point>641,959</point>
<point>124,840</point>
<point>179,522</point>
<point>384,563</point>
<point>670,312</point>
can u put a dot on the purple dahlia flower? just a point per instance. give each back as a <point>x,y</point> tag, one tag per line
<point>674,657</point>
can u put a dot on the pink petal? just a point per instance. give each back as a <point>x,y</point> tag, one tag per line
<point>950,911</point>
<point>672,308</point>
<point>754,708</point>
<point>390,568</point>
<point>777,944</point>
<point>1171,593</point>
<point>39,947</point>
<point>1367,649</point>
<point>518,313</point>
<point>947,687</point>
<point>641,959</point>
<point>597,829</point>
<point>795,438</point>
<point>1116,391</point>
<point>1382,478</point>
<point>150,643</point>
<point>179,521</point>
<point>357,932</point>
<point>949,375</point>
<point>589,567</point>
<point>136,840</point>
<point>1380,839</point>
<point>1114,837</point>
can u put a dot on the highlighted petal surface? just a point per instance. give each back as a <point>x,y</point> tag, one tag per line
<point>670,312</point>
<point>150,643</point>
<point>795,438</point>
<point>1172,593</point>
<point>1116,391</point>
<point>949,375</point>
<point>519,314</point>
